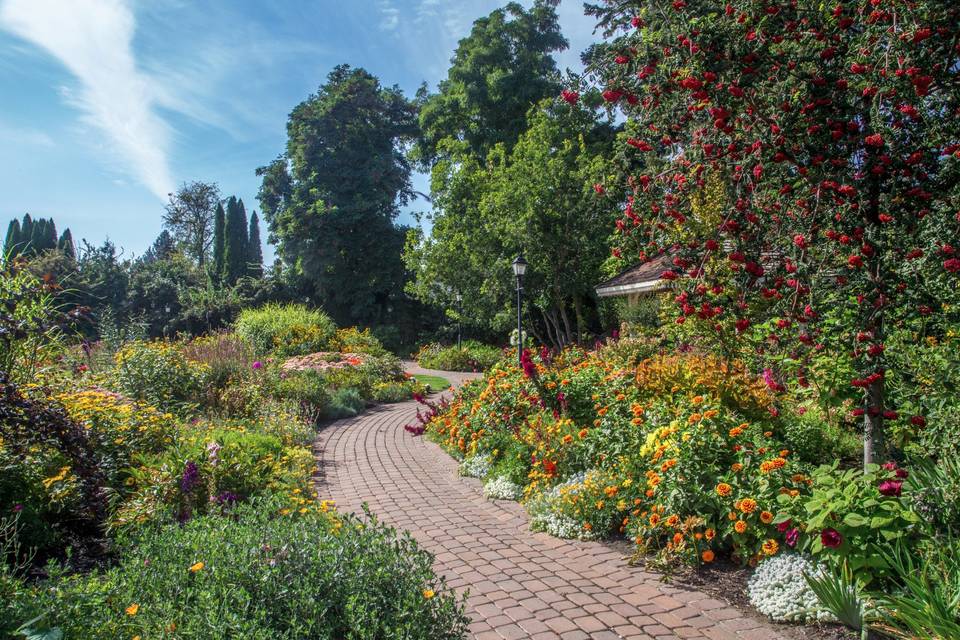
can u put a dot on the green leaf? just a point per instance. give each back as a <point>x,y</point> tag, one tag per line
<point>854,519</point>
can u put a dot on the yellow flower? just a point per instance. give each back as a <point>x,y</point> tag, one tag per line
<point>709,534</point>
<point>428,593</point>
<point>197,566</point>
<point>770,547</point>
<point>132,609</point>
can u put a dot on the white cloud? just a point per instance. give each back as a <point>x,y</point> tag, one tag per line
<point>93,40</point>
<point>389,15</point>
<point>24,136</point>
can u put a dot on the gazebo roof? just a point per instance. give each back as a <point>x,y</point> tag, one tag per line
<point>641,278</point>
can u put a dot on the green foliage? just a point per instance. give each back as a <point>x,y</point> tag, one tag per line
<point>851,504</point>
<point>496,73</point>
<point>32,238</point>
<point>345,402</point>
<point>840,595</point>
<point>219,243</point>
<point>159,374</point>
<point>189,217</point>
<point>435,383</point>
<point>330,202</point>
<point>235,249</point>
<point>395,391</point>
<point>285,330</point>
<point>538,197</point>
<point>254,258</point>
<point>471,356</point>
<point>354,340</point>
<point>258,575</point>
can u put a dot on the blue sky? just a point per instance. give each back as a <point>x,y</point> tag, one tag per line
<point>109,104</point>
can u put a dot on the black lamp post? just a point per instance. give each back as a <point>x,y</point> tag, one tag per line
<point>519,268</point>
<point>459,320</point>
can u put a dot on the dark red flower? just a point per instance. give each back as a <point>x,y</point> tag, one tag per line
<point>570,96</point>
<point>891,487</point>
<point>529,369</point>
<point>831,538</point>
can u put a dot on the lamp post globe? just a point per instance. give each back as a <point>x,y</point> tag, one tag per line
<point>519,269</point>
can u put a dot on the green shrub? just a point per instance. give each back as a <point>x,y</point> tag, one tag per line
<point>345,402</point>
<point>394,391</point>
<point>286,330</point>
<point>473,356</point>
<point>353,340</point>
<point>815,439</point>
<point>264,573</point>
<point>158,373</point>
<point>307,389</point>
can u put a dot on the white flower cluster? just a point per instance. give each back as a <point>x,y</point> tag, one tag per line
<point>778,589</point>
<point>546,516</point>
<point>477,466</point>
<point>501,488</point>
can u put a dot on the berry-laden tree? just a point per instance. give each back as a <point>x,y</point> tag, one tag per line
<point>834,129</point>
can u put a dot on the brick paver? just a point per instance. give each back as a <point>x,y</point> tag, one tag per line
<point>521,584</point>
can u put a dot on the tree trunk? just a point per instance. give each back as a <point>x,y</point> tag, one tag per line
<point>578,311</point>
<point>873,422</point>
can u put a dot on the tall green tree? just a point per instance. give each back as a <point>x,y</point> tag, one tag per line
<point>235,242</point>
<point>254,248</point>
<point>65,244</point>
<point>26,233</point>
<point>189,217</point>
<point>331,200</point>
<point>498,73</point>
<point>540,199</point>
<point>12,242</point>
<point>219,240</point>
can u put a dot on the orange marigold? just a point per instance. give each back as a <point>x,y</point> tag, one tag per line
<point>747,505</point>
<point>582,434</point>
<point>736,467</point>
<point>709,534</point>
<point>766,517</point>
<point>740,526</point>
<point>770,547</point>
<point>707,556</point>
<point>673,520</point>
<point>654,519</point>
<point>723,489</point>
<point>567,439</point>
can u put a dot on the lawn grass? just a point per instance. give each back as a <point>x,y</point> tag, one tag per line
<point>436,383</point>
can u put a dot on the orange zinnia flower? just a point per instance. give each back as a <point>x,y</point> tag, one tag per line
<point>723,489</point>
<point>428,593</point>
<point>709,534</point>
<point>748,505</point>
<point>770,547</point>
<point>740,527</point>
<point>196,567</point>
<point>132,609</point>
<point>766,517</point>
<point>707,556</point>
<point>673,520</point>
<point>654,520</point>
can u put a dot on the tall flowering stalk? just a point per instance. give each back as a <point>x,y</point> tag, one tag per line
<point>829,136</point>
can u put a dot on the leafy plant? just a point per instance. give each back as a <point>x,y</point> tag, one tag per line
<point>285,330</point>
<point>840,595</point>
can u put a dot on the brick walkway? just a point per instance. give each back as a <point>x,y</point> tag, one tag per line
<point>521,584</point>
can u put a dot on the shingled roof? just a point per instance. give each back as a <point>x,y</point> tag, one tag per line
<point>641,278</point>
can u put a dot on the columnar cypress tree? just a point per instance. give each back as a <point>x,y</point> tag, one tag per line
<point>26,234</point>
<point>254,250</point>
<point>235,244</point>
<point>49,239</point>
<point>216,271</point>
<point>12,241</point>
<point>65,244</point>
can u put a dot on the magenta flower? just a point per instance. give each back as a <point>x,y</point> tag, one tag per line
<point>17,508</point>
<point>258,365</point>
<point>891,487</point>
<point>792,537</point>
<point>529,369</point>
<point>831,538</point>
<point>783,526</point>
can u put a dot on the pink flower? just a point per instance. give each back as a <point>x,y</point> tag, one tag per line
<point>570,96</point>
<point>891,487</point>
<point>529,369</point>
<point>258,365</point>
<point>783,526</point>
<point>792,536</point>
<point>831,538</point>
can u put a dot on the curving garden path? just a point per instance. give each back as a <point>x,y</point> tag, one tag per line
<point>521,584</point>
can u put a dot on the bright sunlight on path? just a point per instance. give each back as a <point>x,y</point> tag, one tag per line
<point>521,584</point>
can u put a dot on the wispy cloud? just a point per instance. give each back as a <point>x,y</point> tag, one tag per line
<point>24,136</point>
<point>93,40</point>
<point>389,15</point>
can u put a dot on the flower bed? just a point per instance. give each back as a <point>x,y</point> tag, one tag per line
<point>323,361</point>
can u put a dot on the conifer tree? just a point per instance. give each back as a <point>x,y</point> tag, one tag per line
<point>254,250</point>
<point>219,221</point>
<point>65,244</point>
<point>12,241</point>
<point>235,241</point>
<point>26,234</point>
